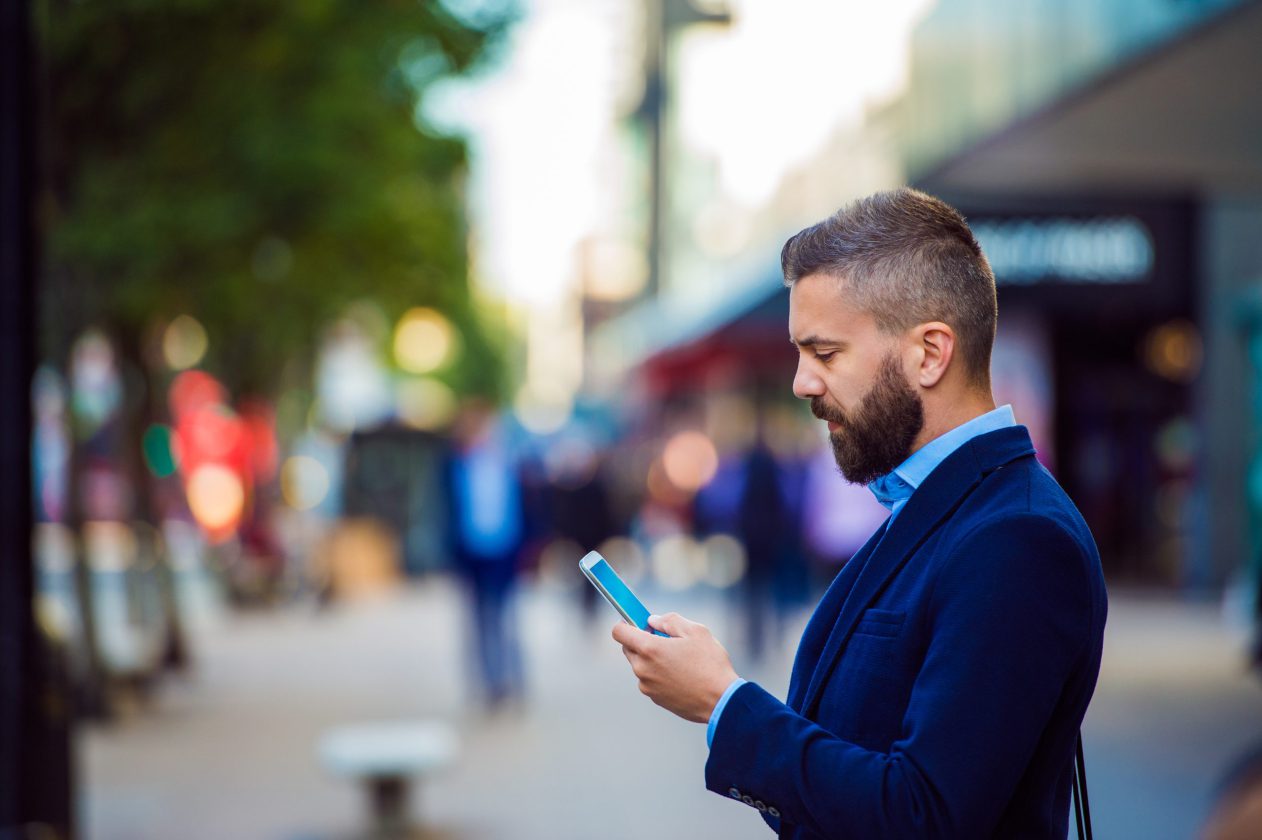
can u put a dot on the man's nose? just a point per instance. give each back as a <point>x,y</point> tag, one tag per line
<point>805,383</point>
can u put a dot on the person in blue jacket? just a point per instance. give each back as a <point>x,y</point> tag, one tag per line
<point>939,686</point>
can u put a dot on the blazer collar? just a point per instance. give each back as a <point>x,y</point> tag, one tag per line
<point>934,501</point>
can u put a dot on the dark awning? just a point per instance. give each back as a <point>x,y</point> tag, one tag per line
<point>1185,118</point>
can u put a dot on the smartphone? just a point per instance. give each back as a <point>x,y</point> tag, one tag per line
<point>597,570</point>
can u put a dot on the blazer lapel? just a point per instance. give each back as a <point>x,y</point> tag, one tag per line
<point>932,503</point>
<point>825,617</point>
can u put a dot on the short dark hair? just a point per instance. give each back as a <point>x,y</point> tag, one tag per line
<point>909,258</point>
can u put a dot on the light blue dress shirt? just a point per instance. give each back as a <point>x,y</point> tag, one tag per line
<point>894,489</point>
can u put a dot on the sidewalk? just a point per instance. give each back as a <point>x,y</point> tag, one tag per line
<point>231,751</point>
<point>1174,709</point>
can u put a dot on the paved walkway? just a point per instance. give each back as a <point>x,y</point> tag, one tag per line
<point>1174,709</point>
<point>230,752</point>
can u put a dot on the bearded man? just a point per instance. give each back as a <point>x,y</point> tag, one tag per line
<point>939,687</point>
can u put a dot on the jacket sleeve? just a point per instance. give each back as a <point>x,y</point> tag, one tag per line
<point>1008,614</point>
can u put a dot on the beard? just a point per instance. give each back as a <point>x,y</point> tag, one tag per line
<point>878,434</point>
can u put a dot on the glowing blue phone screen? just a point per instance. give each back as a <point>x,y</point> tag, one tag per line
<point>613,584</point>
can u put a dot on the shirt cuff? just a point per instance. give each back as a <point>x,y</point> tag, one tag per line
<point>718,709</point>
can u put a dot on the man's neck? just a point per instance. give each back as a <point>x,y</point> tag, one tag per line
<point>951,414</point>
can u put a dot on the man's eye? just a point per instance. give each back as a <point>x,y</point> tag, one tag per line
<point>823,357</point>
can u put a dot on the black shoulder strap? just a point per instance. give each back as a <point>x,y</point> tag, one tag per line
<point>1082,808</point>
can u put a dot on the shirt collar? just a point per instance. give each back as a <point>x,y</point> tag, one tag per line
<point>912,472</point>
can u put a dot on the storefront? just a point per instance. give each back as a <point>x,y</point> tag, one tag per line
<point>1099,343</point>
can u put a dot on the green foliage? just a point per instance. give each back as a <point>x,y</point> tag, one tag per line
<point>257,165</point>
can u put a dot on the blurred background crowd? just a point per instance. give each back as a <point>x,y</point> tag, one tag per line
<point>336,333</point>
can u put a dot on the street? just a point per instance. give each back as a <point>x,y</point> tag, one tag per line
<point>231,750</point>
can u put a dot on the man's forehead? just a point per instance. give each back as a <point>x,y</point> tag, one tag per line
<point>821,303</point>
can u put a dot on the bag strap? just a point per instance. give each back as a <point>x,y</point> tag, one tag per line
<point>1082,807</point>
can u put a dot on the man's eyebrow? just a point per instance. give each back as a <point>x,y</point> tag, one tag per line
<point>813,340</point>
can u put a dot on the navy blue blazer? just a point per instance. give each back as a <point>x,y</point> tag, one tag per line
<point>940,684</point>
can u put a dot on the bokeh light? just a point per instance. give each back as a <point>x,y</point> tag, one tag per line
<point>1177,444</point>
<point>542,412</point>
<point>96,387</point>
<point>184,342</point>
<point>558,563</point>
<point>161,455</point>
<point>1175,351</point>
<point>425,403</point>
<point>661,489</point>
<point>690,460</point>
<point>424,340</point>
<point>626,556</point>
<point>192,390</point>
<point>304,482</point>
<point>725,560</point>
<point>678,562</point>
<point>211,433</point>
<point>353,387</point>
<point>216,498</point>
<point>613,270</point>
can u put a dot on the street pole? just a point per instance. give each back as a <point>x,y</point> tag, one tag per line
<point>35,796</point>
<point>662,18</point>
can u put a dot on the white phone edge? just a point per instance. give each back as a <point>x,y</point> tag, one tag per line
<point>585,565</point>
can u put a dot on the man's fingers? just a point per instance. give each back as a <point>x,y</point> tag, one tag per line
<point>637,666</point>
<point>622,634</point>
<point>631,638</point>
<point>672,624</point>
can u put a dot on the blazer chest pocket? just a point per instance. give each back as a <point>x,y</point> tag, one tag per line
<point>880,623</point>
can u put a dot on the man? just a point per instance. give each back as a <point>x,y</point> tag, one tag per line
<point>940,684</point>
<point>486,531</point>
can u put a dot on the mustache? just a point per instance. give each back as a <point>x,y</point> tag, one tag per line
<point>825,411</point>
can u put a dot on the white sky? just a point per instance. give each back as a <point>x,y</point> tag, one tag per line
<point>763,95</point>
<point>759,98</point>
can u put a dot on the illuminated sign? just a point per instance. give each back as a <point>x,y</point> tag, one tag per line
<point>1057,249</point>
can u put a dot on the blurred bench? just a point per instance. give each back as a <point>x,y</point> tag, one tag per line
<point>387,758</point>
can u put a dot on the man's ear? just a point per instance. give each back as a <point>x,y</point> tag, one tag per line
<point>936,343</point>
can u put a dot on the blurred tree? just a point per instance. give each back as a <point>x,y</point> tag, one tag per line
<point>259,166</point>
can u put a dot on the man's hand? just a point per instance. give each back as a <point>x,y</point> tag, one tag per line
<point>685,674</point>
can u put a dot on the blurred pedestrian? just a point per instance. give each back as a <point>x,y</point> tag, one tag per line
<point>791,585</point>
<point>486,530</point>
<point>764,529</point>
<point>581,509</point>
